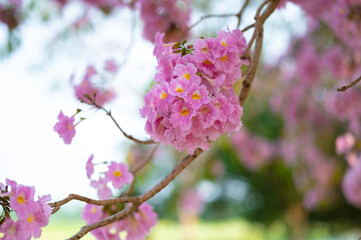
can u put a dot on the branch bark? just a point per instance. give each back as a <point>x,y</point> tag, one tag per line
<point>344,88</point>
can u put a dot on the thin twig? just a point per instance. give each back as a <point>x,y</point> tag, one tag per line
<point>56,205</point>
<point>130,137</point>
<point>139,200</point>
<point>344,88</point>
<point>211,16</point>
<point>240,13</point>
<point>139,167</point>
<point>248,27</point>
<point>178,169</point>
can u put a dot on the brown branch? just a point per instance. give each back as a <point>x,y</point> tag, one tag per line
<point>258,38</point>
<point>56,205</point>
<point>130,137</point>
<point>344,88</point>
<point>108,220</point>
<point>240,13</point>
<point>139,200</point>
<point>248,27</point>
<point>175,172</point>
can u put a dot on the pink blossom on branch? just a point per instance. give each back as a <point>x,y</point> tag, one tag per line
<point>138,224</point>
<point>86,89</point>
<point>193,103</point>
<point>31,215</point>
<point>90,166</point>
<point>168,16</point>
<point>118,174</point>
<point>65,127</point>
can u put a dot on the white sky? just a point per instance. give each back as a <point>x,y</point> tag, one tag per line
<point>35,88</point>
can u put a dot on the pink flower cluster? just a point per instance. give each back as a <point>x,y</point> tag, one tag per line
<point>351,184</point>
<point>168,16</point>
<point>137,225</point>
<point>31,215</point>
<point>87,89</point>
<point>193,101</point>
<point>118,174</point>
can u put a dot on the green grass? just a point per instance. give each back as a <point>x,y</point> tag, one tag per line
<point>167,230</point>
<point>62,228</point>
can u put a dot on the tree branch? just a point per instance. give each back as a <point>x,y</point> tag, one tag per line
<point>56,205</point>
<point>108,220</point>
<point>240,13</point>
<point>344,88</point>
<point>137,201</point>
<point>258,37</point>
<point>130,137</point>
<point>211,16</point>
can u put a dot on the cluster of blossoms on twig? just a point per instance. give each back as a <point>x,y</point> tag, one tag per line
<point>193,101</point>
<point>168,16</point>
<point>31,215</point>
<point>87,92</point>
<point>137,225</point>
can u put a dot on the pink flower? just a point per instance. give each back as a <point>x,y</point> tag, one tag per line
<point>103,190</point>
<point>36,219</point>
<point>139,224</point>
<point>65,127</point>
<point>32,215</point>
<point>165,16</point>
<point>90,166</point>
<point>182,114</point>
<point>86,88</point>
<point>22,198</point>
<point>14,230</point>
<point>118,174</point>
<point>344,143</point>
<point>187,72</point>
<point>111,66</point>
<point>197,96</point>
<point>92,213</point>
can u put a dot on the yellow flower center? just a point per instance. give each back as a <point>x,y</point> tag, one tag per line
<point>196,96</point>
<point>224,43</point>
<point>163,95</point>
<point>21,199</point>
<point>30,218</point>
<point>179,89</point>
<point>70,126</point>
<point>217,104</point>
<point>224,58</point>
<point>207,62</point>
<point>187,76</point>
<point>93,210</point>
<point>117,173</point>
<point>184,112</point>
